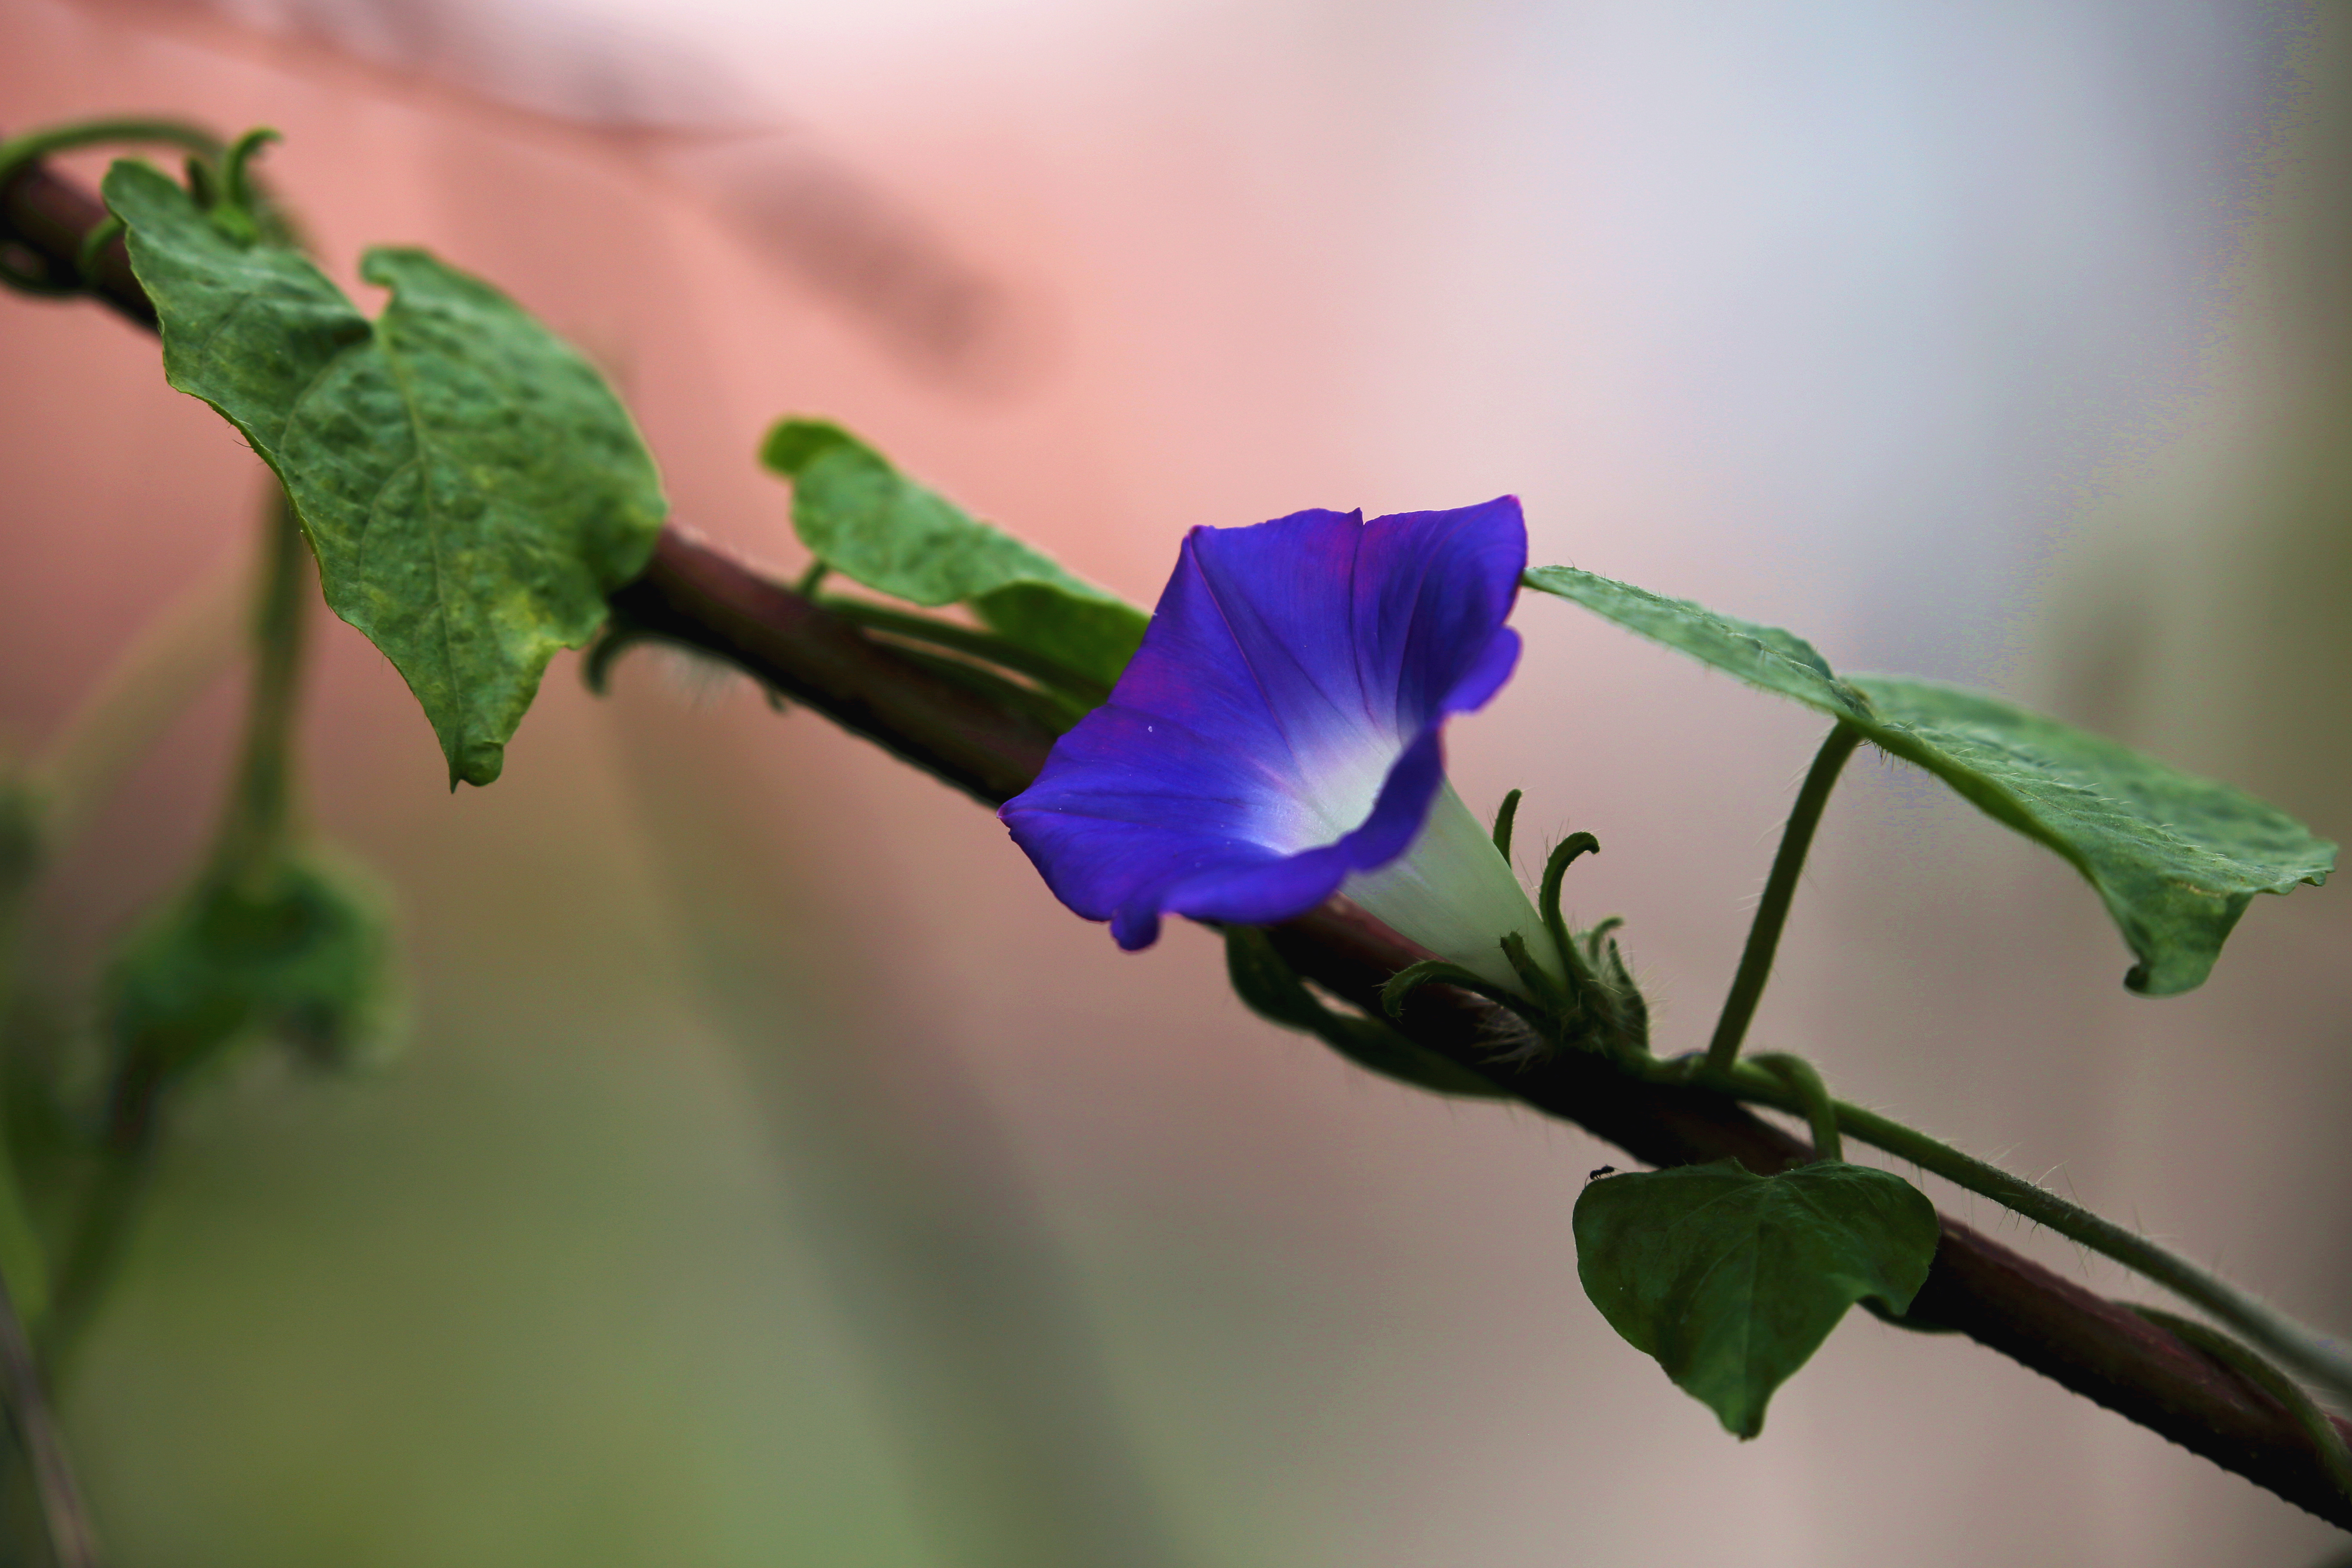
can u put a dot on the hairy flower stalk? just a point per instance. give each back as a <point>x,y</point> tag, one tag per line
<point>1276,737</point>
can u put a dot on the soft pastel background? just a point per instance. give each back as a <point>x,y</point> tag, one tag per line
<point>775,1174</point>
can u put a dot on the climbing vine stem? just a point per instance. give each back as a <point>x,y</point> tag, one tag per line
<point>1812,1098</point>
<point>2326,1439</point>
<point>19,150</point>
<point>2316,1357</point>
<point>1779,890</point>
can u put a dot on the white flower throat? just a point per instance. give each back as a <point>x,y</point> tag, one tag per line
<point>1453,892</point>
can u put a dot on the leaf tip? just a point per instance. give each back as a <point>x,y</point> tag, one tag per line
<point>2173,968</point>
<point>477,763</point>
<point>792,443</point>
<point>382,265</point>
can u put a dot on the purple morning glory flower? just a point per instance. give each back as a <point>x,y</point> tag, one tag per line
<point>1275,740</point>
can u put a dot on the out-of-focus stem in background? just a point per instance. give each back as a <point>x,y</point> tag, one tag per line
<point>253,826</point>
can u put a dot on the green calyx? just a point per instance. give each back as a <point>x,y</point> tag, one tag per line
<point>1587,1000</point>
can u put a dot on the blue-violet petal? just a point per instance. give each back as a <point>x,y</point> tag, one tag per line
<point>1278,730</point>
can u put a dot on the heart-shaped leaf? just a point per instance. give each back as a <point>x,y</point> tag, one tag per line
<point>470,484</point>
<point>1732,1280</point>
<point>2176,858</point>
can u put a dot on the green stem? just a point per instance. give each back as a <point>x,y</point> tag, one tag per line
<point>94,1253</point>
<point>2309,1353</point>
<point>262,796</point>
<point>66,1523</point>
<point>252,832</point>
<point>2327,1437</point>
<point>95,240</point>
<point>1812,1096</point>
<point>2300,1348</point>
<point>1780,891</point>
<point>19,150</point>
<point>173,658</point>
<point>23,1264</point>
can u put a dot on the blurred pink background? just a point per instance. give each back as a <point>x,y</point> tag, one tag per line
<point>747,1070</point>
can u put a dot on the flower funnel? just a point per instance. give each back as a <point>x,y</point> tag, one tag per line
<point>1276,739</point>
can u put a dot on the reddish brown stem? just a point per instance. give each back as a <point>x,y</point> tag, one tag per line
<point>48,217</point>
<point>697,595</point>
<point>2097,1347</point>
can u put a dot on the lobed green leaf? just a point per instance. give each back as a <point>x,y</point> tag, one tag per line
<point>866,521</point>
<point>2174,858</point>
<point>1732,1280</point>
<point>471,487</point>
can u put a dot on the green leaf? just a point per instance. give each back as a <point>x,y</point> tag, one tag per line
<point>2176,858</point>
<point>1269,987</point>
<point>866,521</point>
<point>299,952</point>
<point>1733,1280</point>
<point>1761,656</point>
<point>471,487</point>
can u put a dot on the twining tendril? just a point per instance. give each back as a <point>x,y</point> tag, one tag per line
<point>2327,1437</point>
<point>1441,972</point>
<point>19,151</point>
<point>1505,816</point>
